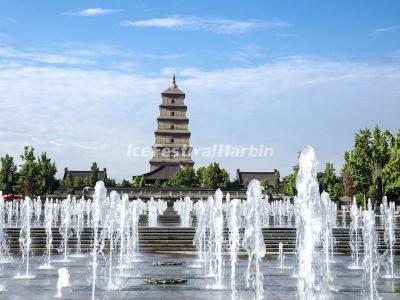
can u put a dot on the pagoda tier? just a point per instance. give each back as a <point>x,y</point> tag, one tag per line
<point>172,136</point>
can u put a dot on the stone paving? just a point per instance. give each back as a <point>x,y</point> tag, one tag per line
<point>278,283</point>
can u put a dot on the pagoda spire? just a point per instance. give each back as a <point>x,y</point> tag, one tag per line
<point>173,82</point>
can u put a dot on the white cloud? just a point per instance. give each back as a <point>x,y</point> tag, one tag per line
<point>9,52</point>
<point>218,25</point>
<point>81,56</point>
<point>385,29</point>
<point>90,12</point>
<point>247,53</point>
<point>80,116</point>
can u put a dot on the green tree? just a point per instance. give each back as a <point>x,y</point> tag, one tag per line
<point>125,183</point>
<point>7,173</point>
<point>214,177</point>
<point>277,179</point>
<point>109,182</point>
<point>77,182</point>
<point>29,173</point>
<point>201,175</point>
<point>289,182</point>
<point>47,171</point>
<point>264,184</point>
<point>369,149</point>
<point>185,177</point>
<point>138,181</point>
<point>94,174</point>
<point>68,182</point>
<point>359,163</point>
<point>391,171</point>
<point>87,181</point>
<point>158,183</point>
<point>331,180</point>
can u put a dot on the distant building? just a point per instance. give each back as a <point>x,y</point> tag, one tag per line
<point>244,177</point>
<point>171,150</point>
<point>102,175</point>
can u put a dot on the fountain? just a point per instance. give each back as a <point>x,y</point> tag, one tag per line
<point>63,281</point>
<point>343,216</point>
<point>390,239</point>
<point>371,260</point>
<point>65,225</point>
<point>3,241</point>
<point>25,236</point>
<point>184,208</point>
<point>133,237</point>
<point>152,212</point>
<point>327,241</point>
<point>122,232</point>
<point>200,240</point>
<point>354,235</point>
<point>108,231</point>
<point>114,221</point>
<point>98,197</point>
<point>281,256</point>
<point>78,225</point>
<point>48,220</point>
<point>310,230</point>
<point>218,225</point>
<point>253,239</point>
<point>234,240</point>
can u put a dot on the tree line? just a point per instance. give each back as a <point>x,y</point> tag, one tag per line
<point>376,153</point>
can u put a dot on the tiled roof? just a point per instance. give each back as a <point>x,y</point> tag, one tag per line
<point>163,172</point>
<point>243,176</point>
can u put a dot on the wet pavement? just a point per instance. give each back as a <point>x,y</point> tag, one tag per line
<point>278,283</point>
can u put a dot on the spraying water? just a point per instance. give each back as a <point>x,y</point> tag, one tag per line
<point>99,196</point>
<point>281,256</point>
<point>371,261</point>
<point>48,220</point>
<point>152,212</point>
<point>65,225</point>
<point>354,235</point>
<point>63,281</point>
<point>109,227</point>
<point>25,236</point>
<point>200,237</point>
<point>3,241</point>
<point>234,240</point>
<point>310,230</point>
<point>218,224</point>
<point>253,239</point>
<point>122,232</point>
<point>390,239</point>
<point>78,225</point>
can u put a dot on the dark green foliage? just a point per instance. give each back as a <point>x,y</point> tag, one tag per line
<point>214,176</point>
<point>185,177</point>
<point>138,181</point>
<point>7,173</point>
<point>289,182</point>
<point>94,174</point>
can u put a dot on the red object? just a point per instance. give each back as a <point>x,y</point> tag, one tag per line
<point>10,197</point>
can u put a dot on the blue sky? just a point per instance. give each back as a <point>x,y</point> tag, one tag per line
<point>82,79</point>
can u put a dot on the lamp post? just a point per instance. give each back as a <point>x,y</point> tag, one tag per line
<point>10,181</point>
<point>44,186</point>
<point>378,183</point>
